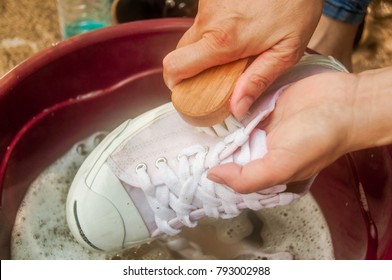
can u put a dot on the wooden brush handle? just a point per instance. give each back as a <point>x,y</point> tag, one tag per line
<point>203,100</point>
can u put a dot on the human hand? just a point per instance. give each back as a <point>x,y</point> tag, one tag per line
<point>276,32</point>
<point>312,125</point>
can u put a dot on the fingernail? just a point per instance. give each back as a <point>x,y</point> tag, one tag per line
<point>169,84</point>
<point>215,178</point>
<point>243,105</point>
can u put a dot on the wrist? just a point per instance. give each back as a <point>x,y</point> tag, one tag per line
<point>372,116</point>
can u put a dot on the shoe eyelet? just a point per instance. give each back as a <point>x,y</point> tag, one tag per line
<point>81,149</point>
<point>160,160</point>
<point>98,138</point>
<point>141,166</point>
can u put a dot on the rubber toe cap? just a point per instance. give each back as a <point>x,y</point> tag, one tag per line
<point>102,215</point>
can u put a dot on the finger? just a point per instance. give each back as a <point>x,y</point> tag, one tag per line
<point>260,74</point>
<point>170,62</point>
<point>190,36</point>
<point>253,176</point>
<point>193,58</point>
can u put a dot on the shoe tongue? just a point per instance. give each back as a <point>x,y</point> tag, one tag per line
<point>258,144</point>
<point>254,148</point>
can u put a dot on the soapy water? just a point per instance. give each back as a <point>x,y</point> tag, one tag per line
<point>294,231</point>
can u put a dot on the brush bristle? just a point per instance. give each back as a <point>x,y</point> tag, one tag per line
<point>229,125</point>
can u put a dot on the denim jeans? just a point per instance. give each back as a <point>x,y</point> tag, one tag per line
<point>350,11</point>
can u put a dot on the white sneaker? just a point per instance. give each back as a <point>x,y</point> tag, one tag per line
<point>148,176</point>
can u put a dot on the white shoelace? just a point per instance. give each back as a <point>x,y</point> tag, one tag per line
<point>187,195</point>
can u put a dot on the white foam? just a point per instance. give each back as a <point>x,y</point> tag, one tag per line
<point>297,230</point>
<point>40,230</point>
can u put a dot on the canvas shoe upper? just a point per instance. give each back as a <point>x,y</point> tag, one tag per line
<point>148,176</point>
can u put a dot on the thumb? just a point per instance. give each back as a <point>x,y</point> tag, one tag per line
<point>251,177</point>
<point>259,75</point>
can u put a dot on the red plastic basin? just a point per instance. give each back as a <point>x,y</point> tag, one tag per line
<point>94,81</point>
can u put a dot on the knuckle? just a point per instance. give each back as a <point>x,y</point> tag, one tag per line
<point>220,42</point>
<point>291,52</point>
<point>260,81</point>
<point>220,38</point>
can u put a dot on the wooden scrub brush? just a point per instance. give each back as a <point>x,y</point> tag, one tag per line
<point>204,100</point>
